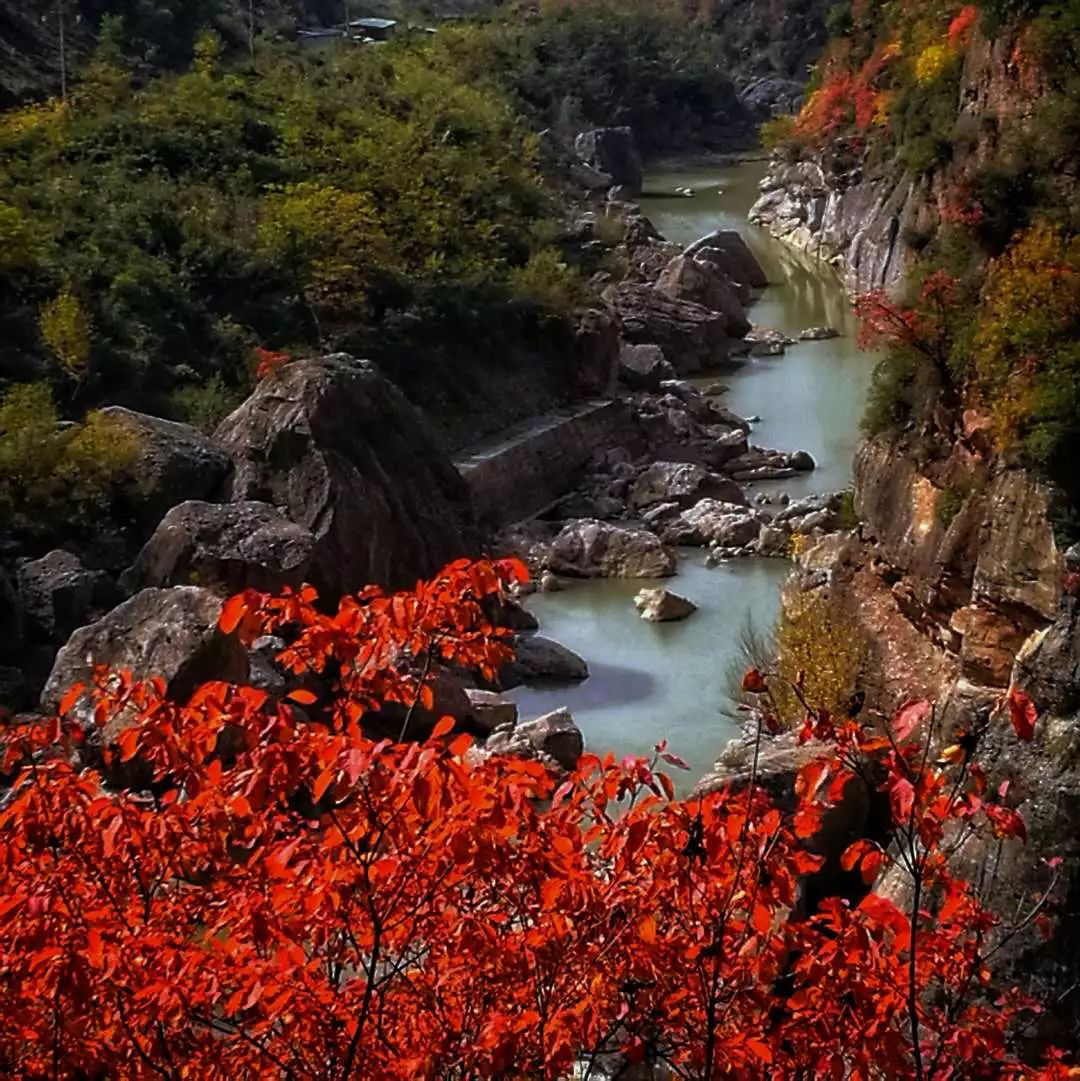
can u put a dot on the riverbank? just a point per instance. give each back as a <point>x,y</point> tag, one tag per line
<point>669,681</point>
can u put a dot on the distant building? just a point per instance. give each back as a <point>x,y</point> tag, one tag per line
<point>375,29</point>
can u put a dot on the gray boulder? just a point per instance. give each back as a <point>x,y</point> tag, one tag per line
<point>662,606</point>
<point>818,334</point>
<point>686,278</point>
<point>729,252</point>
<point>684,483</point>
<point>491,710</point>
<point>588,548</point>
<point>596,350</point>
<point>57,594</point>
<point>537,658</point>
<point>553,738</point>
<point>171,633</point>
<point>643,367</point>
<point>11,619</point>
<point>692,336</point>
<point>710,521</point>
<point>175,462</point>
<point>612,151</point>
<point>225,546</point>
<point>339,449</point>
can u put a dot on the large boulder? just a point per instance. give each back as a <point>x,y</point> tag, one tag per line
<point>588,548</point>
<point>490,709</point>
<point>175,462</point>
<point>340,450</point>
<point>171,633</point>
<point>537,658</point>
<point>643,367</point>
<point>662,606</point>
<point>712,521</point>
<point>612,151</point>
<point>224,546</point>
<point>553,738</point>
<point>684,483</point>
<point>727,250</point>
<point>686,278</point>
<point>692,336</point>
<point>57,594</point>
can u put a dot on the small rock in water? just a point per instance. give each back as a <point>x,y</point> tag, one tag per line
<point>818,334</point>
<point>662,606</point>
<point>549,583</point>
<point>716,390</point>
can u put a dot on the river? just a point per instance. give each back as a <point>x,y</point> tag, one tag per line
<point>670,681</point>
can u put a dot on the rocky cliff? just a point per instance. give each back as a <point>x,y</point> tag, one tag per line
<point>953,586</point>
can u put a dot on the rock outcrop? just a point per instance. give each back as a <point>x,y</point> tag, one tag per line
<point>170,633</point>
<point>612,151</point>
<point>592,549</point>
<point>683,483</point>
<point>701,282</point>
<point>341,452</point>
<point>693,337</point>
<point>553,738</point>
<point>224,546</point>
<point>57,594</point>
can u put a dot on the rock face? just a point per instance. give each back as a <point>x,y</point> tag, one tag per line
<point>539,658</point>
<point>176,462</point>
<point>171,633</point>
<point>662,606</point>
<point>11,619</point>
<point>699,281</point>
<point>612,151</point>
<point>683,483</point>
<point>57,594</point>
<point>591,549</point>
<point>225,546</point>
<point>596,349</point>
<point>692,336</point>
<point>554,737</point>
<point>728,252</point>
<point>643,367</point>
<point>339,449</point>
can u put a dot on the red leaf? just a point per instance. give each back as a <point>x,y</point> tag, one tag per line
<point>908,717</point>
<point>674,760</point>
<point>323,782</point>
<point>69,699</point>
<point>232,613</point>
<point>302,697</point>
<point>753,681</point>
<point>1022,713</point>
<point>461,744</point>
<point>443,728</point>
<point>647,929</point>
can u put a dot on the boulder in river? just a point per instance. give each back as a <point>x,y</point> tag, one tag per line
<point>643,367</point>
<point>692,336</point>
<point>713,522</point>
<point>540,658</point>
<point>339,449</point>
<point>588,548</point>
<point>228,546</point>
<point>766,342</point>
<point>553,737</point>
<point>684,483</point>
<point>728,251</point>
<point>686,278</point>
<point>612,151</point>
<point>818,334</point>
<point>662,606</point>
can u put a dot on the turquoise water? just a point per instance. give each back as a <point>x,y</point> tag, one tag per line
<point>669,681</point>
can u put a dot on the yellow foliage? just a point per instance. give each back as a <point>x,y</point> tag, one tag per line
<point>65,328</point>
<point>1029,302</point>
<point>17,123</point>
<point>815,641</point>
<point>931,62</point>
<point>18,249</point>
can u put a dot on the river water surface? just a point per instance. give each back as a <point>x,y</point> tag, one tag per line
<point>669,681</point>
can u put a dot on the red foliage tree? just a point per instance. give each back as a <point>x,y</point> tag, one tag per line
<point>284,897</point>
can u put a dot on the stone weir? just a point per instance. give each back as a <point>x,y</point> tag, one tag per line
<point>517,473</point>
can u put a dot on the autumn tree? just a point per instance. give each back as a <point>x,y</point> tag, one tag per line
<point>243,885</point>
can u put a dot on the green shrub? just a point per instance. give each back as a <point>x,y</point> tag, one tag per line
<point>548,282</point>
<point>888,402</point>
<point>207,404</point>
<point>53,472</point>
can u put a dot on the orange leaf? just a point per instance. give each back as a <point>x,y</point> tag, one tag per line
<point>232,613</point>
<point>647,929</point>
<point>302,697</point>
<point>69,699</point>
<point>323,782</point>
<point>443,728</point>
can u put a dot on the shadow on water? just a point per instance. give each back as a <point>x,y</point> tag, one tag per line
<point>652,682</point>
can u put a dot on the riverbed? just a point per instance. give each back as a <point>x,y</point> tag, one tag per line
<point>652,682</point>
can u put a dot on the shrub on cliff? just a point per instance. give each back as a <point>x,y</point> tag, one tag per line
<point>288,898</point>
